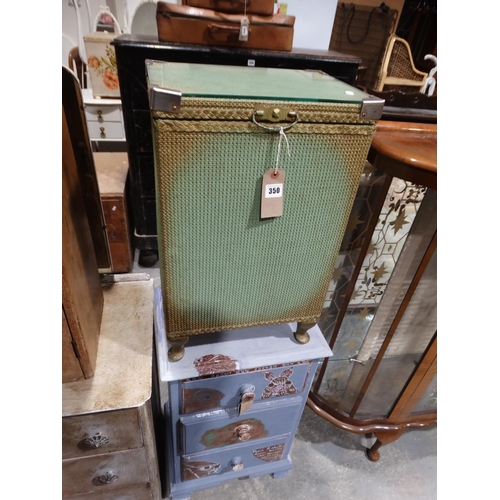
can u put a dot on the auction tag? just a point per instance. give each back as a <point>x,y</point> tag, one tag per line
<point>271,202</point>
<point>244,29</point>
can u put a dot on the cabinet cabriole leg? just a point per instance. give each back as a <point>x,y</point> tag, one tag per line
<point>383,438</point>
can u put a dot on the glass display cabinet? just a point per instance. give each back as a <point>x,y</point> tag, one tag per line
<point>380,315</point>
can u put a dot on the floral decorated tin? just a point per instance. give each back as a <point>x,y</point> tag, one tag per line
<point>101,61</point>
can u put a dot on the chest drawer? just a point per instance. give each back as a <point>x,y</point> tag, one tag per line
<point>235,458</point>
<point>99,433</point>
<point>105,130</point>
<point>103,114</point>
<point>227,391</point>
<point>222,428</point>
<point>139,492</point>
<point>101,473</point>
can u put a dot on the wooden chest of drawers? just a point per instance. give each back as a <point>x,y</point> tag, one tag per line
<point>233,403</point>
<point>108,440</point>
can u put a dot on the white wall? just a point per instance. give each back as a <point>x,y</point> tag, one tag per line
<point>313,22</point>
<point>69,23</point>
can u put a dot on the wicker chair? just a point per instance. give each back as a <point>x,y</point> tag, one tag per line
<point>398,71</point>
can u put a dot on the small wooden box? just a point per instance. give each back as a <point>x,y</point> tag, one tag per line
<point>112,170</point>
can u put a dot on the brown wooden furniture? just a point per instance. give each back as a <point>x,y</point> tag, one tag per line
<point>82,299</point>
<point>381,319</point>
<point>112,171</point>
<point>78,133</point>
<point>108,438</point>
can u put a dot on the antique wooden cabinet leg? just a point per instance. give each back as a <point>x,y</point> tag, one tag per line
<point>176,351</point>
<point>383,438</point>
<point>301,334</point>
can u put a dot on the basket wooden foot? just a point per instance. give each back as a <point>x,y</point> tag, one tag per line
<point>176,351</point>
<point>301,335</point>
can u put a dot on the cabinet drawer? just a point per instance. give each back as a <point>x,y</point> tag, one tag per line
<point>99,433</point>
<point>222,428</point>
<point>212,392</point>
<point>103,113</point>
<point>104,472</point>
<point>105,130</point>
<point>235,458</point>
<point>138,492</point>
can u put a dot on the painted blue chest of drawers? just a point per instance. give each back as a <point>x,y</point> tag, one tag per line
<point>232,404</point>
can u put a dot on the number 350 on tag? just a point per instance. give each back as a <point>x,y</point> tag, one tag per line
<point>274,191</point>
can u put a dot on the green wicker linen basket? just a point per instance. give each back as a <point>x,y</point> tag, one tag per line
<point>217,131</point>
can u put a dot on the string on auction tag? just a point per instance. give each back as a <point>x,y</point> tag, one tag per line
<point>273,183</point>
<point>244,23</point>
<point>282,135</point>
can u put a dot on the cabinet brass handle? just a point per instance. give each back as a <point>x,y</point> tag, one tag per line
<point>107,478</point>
<point>96,441</point>
<point>103,132</point>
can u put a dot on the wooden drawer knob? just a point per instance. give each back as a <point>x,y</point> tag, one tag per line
<point>243,432</point>
<point>237,463</point>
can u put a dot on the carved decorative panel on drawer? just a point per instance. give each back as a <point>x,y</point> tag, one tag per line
<point>105,472</point>
<point>233,403</point>
<point>98,433</point>
<point>108,441</point>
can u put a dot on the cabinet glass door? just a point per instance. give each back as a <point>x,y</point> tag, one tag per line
<point>382,333</point>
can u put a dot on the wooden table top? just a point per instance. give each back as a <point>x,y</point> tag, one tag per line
<point>413,144</point>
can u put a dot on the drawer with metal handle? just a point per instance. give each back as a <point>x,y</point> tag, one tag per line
<point>241,390</point>
<point>220,428</point>
<point>136,492</point>
<point>106,130</point>
<point>235,459</point>
<point>99,433</point>
<point>104,472</point>
<point>103,114</point>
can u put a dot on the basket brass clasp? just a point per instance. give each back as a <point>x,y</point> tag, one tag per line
<point>275,115</point>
